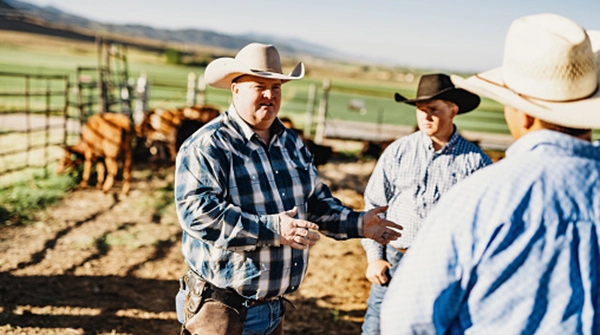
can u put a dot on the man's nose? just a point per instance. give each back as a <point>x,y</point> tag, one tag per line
<point>268,93</point>
<point>426,113</point>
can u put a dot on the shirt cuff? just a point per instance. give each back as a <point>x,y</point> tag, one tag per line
<point>359,226</point>
<point>269,231</point>
<point>352,224</point>
<point>373,249</point>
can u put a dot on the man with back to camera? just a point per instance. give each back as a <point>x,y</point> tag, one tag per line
<point>413,173</point>
<point>249,198</point>
<point>514,249</point>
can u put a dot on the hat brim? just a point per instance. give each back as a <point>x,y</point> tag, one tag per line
<point>221,72</point>
<point>465,100</point>
<point>580,114</point>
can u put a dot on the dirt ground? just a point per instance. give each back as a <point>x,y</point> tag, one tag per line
<point>96,264</point>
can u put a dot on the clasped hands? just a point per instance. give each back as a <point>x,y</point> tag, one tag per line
<point>299,234</point>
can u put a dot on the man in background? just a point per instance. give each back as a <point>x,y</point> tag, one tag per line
<point>413,173</point>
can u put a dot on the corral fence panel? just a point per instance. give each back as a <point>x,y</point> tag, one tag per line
<point>33,121</point>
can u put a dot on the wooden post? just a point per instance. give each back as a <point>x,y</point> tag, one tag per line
<point>47,127</point>
<point>141,99</point>
<point>191,89</point>
<point>79,96</point>
<point>66,107</point>
<point>102,96</point>
<point>201,91</point>
<point>310,109</point>
<point>320,131</point>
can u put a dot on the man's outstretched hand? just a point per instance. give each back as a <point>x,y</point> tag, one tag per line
<point>378,229</point>
<point>295,232</point>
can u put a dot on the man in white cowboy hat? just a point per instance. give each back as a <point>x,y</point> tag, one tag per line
<point>515,248</point>
<point>249,200</point>
<point>413,173</point>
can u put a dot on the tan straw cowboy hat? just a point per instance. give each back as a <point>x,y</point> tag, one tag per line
<point>550,71</point>
<point>255,59</point>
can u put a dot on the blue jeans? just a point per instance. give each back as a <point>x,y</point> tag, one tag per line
<point>371,324</point>
<point>263,319</point>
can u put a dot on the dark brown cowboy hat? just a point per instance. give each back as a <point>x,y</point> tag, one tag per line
<point>439,86</point>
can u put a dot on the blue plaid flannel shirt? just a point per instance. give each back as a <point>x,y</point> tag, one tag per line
<point>230,187</point>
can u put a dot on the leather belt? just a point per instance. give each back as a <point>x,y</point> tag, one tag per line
<point>401,250</point>
<point>227,296</point>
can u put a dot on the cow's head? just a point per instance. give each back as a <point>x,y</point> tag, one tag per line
<point>70,159</point>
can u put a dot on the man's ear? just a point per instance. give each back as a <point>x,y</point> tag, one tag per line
<point>455,109</point>
<point>527,121</point>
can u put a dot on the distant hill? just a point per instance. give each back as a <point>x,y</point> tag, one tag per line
<point>28,17</point>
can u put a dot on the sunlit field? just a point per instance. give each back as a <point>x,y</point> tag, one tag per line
<point>33,54</point>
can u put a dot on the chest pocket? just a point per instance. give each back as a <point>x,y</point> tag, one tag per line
<point>450,178</point>
<point>299,170</point>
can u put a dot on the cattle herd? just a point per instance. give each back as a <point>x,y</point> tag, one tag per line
<point>163,131</point>
<point>109,141</point>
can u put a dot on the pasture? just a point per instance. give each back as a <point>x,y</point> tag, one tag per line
<point>21,52</point>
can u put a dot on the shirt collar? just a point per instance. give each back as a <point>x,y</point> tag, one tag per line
<point>247,132</point>
<point>557,140</point>
<point>277,127</point>
<point>429,143</point>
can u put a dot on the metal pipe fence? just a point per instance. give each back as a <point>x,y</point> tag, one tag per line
<point>33,120</point>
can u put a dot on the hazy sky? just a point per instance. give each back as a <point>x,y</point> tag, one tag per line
<point>461,35</point>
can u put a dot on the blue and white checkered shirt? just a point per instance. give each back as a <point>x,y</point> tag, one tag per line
<point>513,249</point>
<point>410,177</point>
<point>230,187</point>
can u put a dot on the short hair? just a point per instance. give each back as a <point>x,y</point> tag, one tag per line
<point>566,130</point>
<point>450,103</point>
<point>234,80</point>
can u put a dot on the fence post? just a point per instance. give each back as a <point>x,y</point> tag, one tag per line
<point>66,110</point>
<point>103,96</point>
<point>201,91</point>
<point>47,127</point>
<point>141,101</point>
<point>320,131</point>
<point>310,109</point>
<point>191,89</point>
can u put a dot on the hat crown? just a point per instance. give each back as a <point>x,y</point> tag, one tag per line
<point>432,84</point>
<point>260,58</point>
<point>549,57</point>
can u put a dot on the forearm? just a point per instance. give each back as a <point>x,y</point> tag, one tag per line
<point>226,226</point>
<point>373,249</point>
<point>204,213</point>
<point>334,219</point>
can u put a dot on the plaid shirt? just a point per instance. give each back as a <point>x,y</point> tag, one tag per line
<point>411,176</point>
<point>230,187</point>
<point>518,254</point>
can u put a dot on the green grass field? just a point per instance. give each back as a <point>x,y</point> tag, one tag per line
<point>48,55</point>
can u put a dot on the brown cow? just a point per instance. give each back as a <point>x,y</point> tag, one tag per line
<point>104,138</point>
<point>168,128</point>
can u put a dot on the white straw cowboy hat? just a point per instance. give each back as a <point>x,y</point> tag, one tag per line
<point>255,59</point>
<point>550,71</point>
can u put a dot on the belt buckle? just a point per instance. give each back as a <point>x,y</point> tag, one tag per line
<point>250,302</point>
